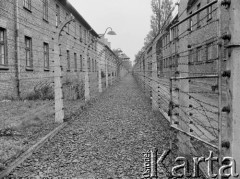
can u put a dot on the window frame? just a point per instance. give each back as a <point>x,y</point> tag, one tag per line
<point>85,36</point>
<point>198,54</point>
<point>190,56</point>
<point>45,10</point>
<point>3,43</point>
<point>190,25</point>
<point>209,54</point>
<point>81,63</point>
<point>209,11</point>
<point>198,16</point>
<point>29,60</point>
<point>58,21</point>
<point>75,62</point>
<point>80,33</point>
<point>68,61</point>
<point>27,4</point>
<point>46,56</point>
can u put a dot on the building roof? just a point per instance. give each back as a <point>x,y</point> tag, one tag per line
<point>78,16</point>
<point>191,3</point>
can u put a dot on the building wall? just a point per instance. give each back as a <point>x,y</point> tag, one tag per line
<point>32,24</point>
<point>7,72</point>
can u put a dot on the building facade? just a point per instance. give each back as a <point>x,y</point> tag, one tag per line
<point>28,32</point>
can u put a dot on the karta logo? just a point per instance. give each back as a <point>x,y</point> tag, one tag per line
<point>151,162</point>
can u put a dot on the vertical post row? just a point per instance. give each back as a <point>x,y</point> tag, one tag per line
<point>232,76</point>
<point>219,86</point>
<point>59,112</point>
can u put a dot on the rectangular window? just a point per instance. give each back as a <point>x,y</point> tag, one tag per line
<point>209,52</point>
<point>85,36</point>
<point>45,10</point>
<point>57,15</point>
<point>209,11</point>
<point>198,15</point>
<point>68,60</point>
<point>190,23</point>
<point>198,54</point>
<point>3,59</point>
<point>190,56</point>
<point>27,4</point>
<point>176,60</point>
<point>81,63</point>
<point>75,61</point>
<point>46,56</point>
<point>28,52</point>
<point>75,28</point>
<point>80,33</point>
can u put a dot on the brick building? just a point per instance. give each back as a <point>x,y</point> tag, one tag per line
<point>27,36</point>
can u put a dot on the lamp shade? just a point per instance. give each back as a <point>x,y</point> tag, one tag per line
<point>111,32</point>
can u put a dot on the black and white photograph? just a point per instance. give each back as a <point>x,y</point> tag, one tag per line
<point>119,89</point>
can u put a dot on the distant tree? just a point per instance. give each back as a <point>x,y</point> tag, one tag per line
<point>161,16</point>
<point>161,13</point>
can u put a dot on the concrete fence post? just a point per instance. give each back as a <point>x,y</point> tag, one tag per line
<point>86,77</point>
<point>59,112</point>
<point>231,143</point>
<point>58,93</point>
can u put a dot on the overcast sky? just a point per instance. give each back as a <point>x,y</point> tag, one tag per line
<point>130,19</point>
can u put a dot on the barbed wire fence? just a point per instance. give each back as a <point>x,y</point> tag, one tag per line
<point>188,83</point>
<point>52,88</point>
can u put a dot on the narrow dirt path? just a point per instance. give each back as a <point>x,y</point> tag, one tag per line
<point>107,141</point>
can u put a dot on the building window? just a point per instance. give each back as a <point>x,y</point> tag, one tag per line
<point>209,11</point>
<point>80,33</point>
<point>85,36</point>
<point>28,51</point>
<point>198,15</point>
<point>45,10</point>
<point>57,15</point>
<point>81,63</point>
<point>190,56</point>
<point>75,61</point>
<point>46,56</point>
<point>176,60</point>
<point>27,4</point>
<point>190,23</point>
<point>68,60</point>
<point>3,59</point>
<point>209,52</point>
<point>198,54</point>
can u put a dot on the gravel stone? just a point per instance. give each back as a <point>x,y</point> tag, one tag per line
<point>107,140</point>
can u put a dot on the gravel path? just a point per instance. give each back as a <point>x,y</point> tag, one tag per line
<point>106,141</point>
